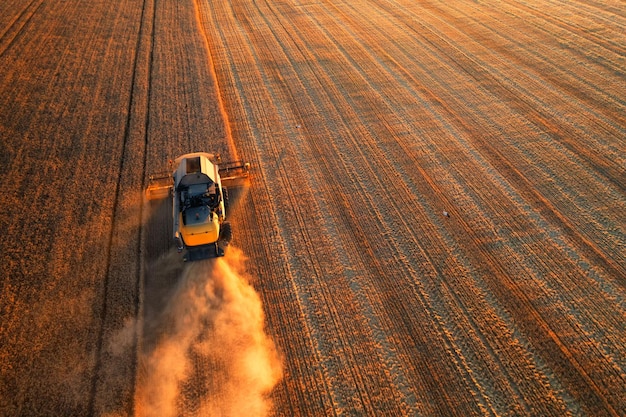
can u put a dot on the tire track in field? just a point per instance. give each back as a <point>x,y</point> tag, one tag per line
<point>17,25</point>
<point>135,109</point>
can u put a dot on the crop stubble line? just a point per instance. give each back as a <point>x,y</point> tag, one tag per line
<point>295,98</point>
<point>322,84</point>
<point>615,47</point>
<point>418,166</point>
<point>451,113</point>
<point>304,253</point>
<point>246,71</point>
<point>577,236</point>
<point>521,100</point>
<point>136,343</point>
<point>541,65</point>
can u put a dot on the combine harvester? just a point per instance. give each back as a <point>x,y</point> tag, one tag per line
<point>198,187</point>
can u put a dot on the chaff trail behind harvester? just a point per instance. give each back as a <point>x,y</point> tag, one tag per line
<point>198,187</point>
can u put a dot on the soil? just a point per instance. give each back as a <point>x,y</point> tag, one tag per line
<point>434,222</point>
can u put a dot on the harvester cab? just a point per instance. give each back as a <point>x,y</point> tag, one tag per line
<point>198,187</point>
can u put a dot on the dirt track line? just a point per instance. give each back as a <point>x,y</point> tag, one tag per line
<point>15,28</point>
<point>117,199</point>
<point>140,278</point>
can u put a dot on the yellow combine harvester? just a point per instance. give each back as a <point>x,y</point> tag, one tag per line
<point>198,187</point>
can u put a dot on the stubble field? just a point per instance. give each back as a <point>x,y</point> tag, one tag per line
<point>435,224</point>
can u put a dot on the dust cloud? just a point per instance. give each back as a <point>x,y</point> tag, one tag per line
<point>207,352</point>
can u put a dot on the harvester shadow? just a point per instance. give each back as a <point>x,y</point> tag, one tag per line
<point>163,269</point>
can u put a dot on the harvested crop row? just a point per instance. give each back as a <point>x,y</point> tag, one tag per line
<point>434,222</point>
<point>370,119</point>
<point>66,94</point>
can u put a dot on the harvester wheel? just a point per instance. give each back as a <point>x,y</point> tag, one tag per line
<point>226,234</point>
<point>225,197</point>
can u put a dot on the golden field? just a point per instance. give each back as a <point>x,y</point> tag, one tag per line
<point>434,225</point>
